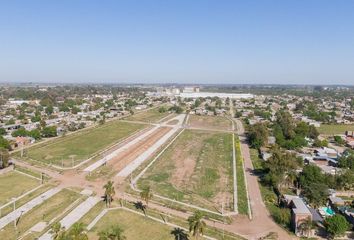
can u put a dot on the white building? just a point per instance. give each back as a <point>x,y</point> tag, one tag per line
<point>216,94</point>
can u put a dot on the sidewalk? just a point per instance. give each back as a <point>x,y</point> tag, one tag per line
<point>74,216</point>
<point>14,215</point>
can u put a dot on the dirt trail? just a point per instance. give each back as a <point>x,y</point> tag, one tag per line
<point>124,158</point>
<point>261,223</point>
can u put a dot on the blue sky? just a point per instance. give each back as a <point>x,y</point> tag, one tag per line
<point>198,41</point>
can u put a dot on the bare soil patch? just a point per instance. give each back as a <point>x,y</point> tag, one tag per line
<point>127,156</point>
<point>210,122</point>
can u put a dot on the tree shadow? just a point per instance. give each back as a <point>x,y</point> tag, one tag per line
<point>180,234</point>
<point>140,206</point>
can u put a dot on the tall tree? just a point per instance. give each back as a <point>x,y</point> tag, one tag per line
<point>336,225</point>
<point>196,224</point>
<point>258,135</point>
<point>280,168</point>
<point>179,234</point>
<point>4,158</point>
<point>109,192</point>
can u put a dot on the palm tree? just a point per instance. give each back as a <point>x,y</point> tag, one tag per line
<point>103,235</point>
<point>77,232</point>
<point>196,224</point>
<point>114,232</point>
<point>306,226</point>
<point>179,234</point>
<point>140,206</point>
<point>109,193</point>
<point>146,194</point>
<point>57,231</point>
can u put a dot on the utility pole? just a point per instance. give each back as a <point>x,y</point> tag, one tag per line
<point>14,204</point>
<point>21,149</point>
<point>223,220</point>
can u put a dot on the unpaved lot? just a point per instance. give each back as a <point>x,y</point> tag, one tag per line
<point>127,156</point>
<point>196,168</point>
<point>209,122</point>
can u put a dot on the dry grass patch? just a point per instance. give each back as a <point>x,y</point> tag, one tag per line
<point>210,122</point>
<point>14,184</point>
<point>82,145</point>
<point>196,168</point>
<point>150,116</point>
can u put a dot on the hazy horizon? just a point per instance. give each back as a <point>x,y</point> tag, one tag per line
<point>162,42</point>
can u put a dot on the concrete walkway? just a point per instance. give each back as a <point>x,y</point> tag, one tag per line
<point>14,215</point>
<point>74,216</point>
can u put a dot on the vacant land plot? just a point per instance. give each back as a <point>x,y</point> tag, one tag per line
<point>210,122</point>
<point>333,129</point>
<point>136,227</point>
<point>151,116</point>
<point>83,145</point>
<point>196,168</point>
<point>45,212</point>
<point>14,184</point>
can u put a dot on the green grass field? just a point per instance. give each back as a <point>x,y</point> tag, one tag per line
<point>45,212</point>
<point>149,116</point>
<point>14,184</point>
<point>242,200</point>
<point>136,227</point>
<point>90,216</point>
<point>82,145</point>
<point>210,122</point>
<point>333,129</point>
<point>196,168</point>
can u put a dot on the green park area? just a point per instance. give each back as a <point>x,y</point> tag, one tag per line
<point>335,129</point>
<point>13,184</point>
<point>82,145</point>
<point>135,226</point>
<point>150,116</point>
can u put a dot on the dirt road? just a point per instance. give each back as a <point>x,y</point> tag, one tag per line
<point>261,223</point>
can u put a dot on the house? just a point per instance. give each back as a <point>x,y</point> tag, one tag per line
<point>349,133</point>
<point>326,152</point>
<point>336,201</point>
<point>265,154</point>
<point>299,211</point>
<point>271,140</point>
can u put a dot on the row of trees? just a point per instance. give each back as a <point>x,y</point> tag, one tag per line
<point>288,133</point>
<point>196,223</point>
<point>48,131</point>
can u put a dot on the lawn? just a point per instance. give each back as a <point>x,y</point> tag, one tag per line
<point>242,200</point>
<point>333,129</point>
<point>151,116</point>
<point>82,145</point>
<point>14,184</point>
<point>196,168</point>
<point>120,215</point>
<point>136,227</point>
<point>210,122</point>
<point>45,212</point>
